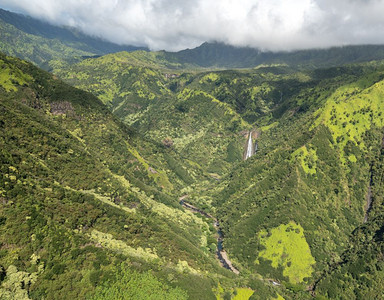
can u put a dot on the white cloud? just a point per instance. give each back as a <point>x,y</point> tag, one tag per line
<point>178,24</point>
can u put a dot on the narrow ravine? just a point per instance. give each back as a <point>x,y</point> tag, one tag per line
<point>369,195</point>
<point>220,252</point>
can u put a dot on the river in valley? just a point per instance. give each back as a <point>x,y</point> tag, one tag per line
<point>220,252</point>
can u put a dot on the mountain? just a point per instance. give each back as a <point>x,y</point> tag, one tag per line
<point>129,180</point>
<point>88,205</point>
<point>219,55</point>
<point>197,109</point>
<point>51,46</point>
<point>146,96</point>
<point>290,212</point>
<point>41,42</point>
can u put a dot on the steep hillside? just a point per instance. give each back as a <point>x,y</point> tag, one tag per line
<point>359,273</point>
<point>88,206</point>
<point>288,212</point>
<point>43,43</point>
<point>296,218</point>
<point>145,94</point>
<point>204,115</point>
<point>126,176</point>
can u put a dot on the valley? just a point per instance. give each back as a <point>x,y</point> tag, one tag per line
<point>231,199</point>
<point>221,254</point>
<point>209,173</point>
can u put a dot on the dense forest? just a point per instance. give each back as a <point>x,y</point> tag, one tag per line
<point>97,156</point>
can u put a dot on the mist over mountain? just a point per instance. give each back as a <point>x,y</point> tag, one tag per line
<point>49,46</point>
<point>173,26</point>
<point>40,42</point>
<point>224,56</point>
<point>216,172</point>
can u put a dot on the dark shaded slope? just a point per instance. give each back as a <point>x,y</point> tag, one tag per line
<point>67,35</point>
<point>358,275</point>
<point>218,55</point>
<point>40,42</point>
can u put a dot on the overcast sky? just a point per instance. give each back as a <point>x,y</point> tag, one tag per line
<point>179,24</point>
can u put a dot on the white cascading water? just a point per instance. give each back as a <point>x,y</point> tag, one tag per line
<point>250,147</point>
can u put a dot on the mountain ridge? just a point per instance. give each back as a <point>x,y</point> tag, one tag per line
<point>211,55</point>
<point>40,42</point>
<point>226,56</point>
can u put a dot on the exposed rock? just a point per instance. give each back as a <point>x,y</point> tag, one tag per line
<point>152,170</point>
<point>167,142</point>
<point>62,108</point>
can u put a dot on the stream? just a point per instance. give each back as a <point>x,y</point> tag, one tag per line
<point>220,252</point>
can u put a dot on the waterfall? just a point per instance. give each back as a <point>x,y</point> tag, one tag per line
<point>250,146</point>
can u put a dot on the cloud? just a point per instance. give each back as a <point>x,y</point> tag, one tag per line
<point>175,25</point>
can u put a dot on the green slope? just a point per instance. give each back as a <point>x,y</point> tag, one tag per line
<point>36,49</point>
<point>87,205</point>
<point>139,89</point>
<point>201,113</point>
<point>311,177</point>
<point>286,213</point>
<point>292,215</point>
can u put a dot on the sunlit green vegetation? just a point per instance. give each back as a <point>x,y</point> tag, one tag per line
<point>132,285</point>
<point>242,294</point>
<point>300,171</point>
<point>307,159</point>
<point>286,247</point>
<point>90,206</point>
<point>78,199</point>
<point>351,111</point>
